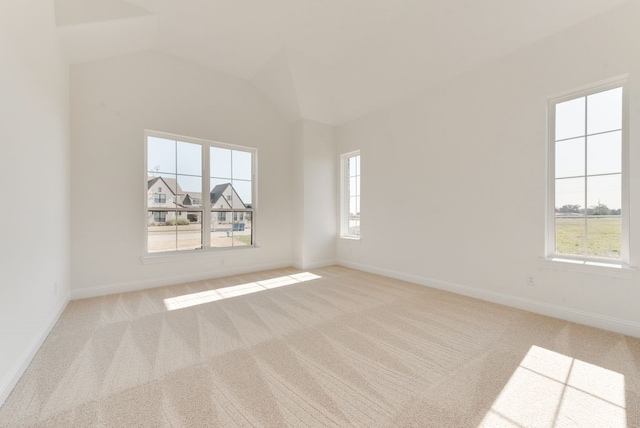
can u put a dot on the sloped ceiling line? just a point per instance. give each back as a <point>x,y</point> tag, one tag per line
<point>330,61</point>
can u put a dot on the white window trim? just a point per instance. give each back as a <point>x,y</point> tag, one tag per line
<point>563,264</point>
<point>206,205</point>
<point>344,196</point>
<point>612,267</point>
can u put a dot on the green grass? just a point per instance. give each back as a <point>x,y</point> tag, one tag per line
<point>604,236</point>
<point>245,239</point>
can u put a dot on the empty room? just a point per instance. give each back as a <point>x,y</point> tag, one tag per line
<point>376,213</point>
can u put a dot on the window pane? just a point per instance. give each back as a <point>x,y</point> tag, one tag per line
<point>161,231</point>
<point>570,158</point>
<point>189,227</point>
<point>241,231</point>
<point>604,194</point>
<point>354,217</point>
<point>353,206</point>
<point>354,227</point>
<point>189,159</point>
<point>570,221</point>
<point>604,153</point>
<point>353,170</point>
<point>221,229</point>
<point>353,186</point>
<point>220,161</point>
<point>570,119</point>
<point>570,196</point>
<point>243,189</point>
<point>161,155</point>
<point>604,111</point>
<point>570,235</point>
<point>241,165</point>
<point>357,165</point>
<point>220,189</point>
<point>605,236</point>
<point>189,184</point>
<point>160,191</point>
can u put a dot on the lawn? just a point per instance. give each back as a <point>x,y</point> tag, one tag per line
<point>604,236</point>
<point>245,239</point>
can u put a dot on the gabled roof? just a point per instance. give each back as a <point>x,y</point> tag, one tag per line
<point>189,197</point>
<point>218,192</point>
<point>170,183</point>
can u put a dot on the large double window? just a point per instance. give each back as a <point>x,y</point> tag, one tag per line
<point>199,194</point>
<point>588,196</point>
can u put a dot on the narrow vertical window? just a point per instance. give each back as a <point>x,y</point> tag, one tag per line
<point>588,175</point>
<point>350,201</point>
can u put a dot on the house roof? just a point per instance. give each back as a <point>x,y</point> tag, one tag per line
<point>171,184</point>
<point>189,197</point>
<point>218,191</point>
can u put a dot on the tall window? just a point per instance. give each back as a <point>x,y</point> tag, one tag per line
<point>588,175</point>
<point>350,201</point>
<point>188,170</point>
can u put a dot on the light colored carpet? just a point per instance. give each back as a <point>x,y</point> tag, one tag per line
<point>336,347</point>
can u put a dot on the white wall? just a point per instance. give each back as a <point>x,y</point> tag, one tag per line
<point>315,185</point>
<point>34,142</point>
<point>112,102</point>
<point>470,158</point>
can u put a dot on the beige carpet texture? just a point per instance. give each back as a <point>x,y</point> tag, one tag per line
<point>328,347</point>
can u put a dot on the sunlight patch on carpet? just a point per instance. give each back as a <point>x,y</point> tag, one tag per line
<point>202,297</point>
<point>551,389</point>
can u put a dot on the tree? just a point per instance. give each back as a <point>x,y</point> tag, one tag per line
<point>565,209</point>
<point>599,209</point>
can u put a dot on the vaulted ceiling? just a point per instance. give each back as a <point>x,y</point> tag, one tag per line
<point>326,60</point>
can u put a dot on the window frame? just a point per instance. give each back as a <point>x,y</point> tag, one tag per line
<point>345,194</point>
<point>551,254</point>
<point>205,209</point>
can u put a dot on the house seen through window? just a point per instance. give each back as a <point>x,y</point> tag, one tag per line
<point>588,190</point>
<point>208,198</point>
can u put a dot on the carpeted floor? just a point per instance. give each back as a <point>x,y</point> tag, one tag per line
<point>334,347</point>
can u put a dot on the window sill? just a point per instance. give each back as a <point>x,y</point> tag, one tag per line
<point>351,238</point>
<point>181,256</point>
<point>617,270</point>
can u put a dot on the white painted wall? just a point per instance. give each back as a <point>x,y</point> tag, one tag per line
<point>315,184</point>
<point>112,102</point>
<point>34,147</point>
<point>478,144</point>
<point>297,194</point>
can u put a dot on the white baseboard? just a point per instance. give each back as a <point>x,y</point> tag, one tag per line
<point>318,264</point>
<point>11,379</point>
<point>125,287</point>
<point>617,325</point>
